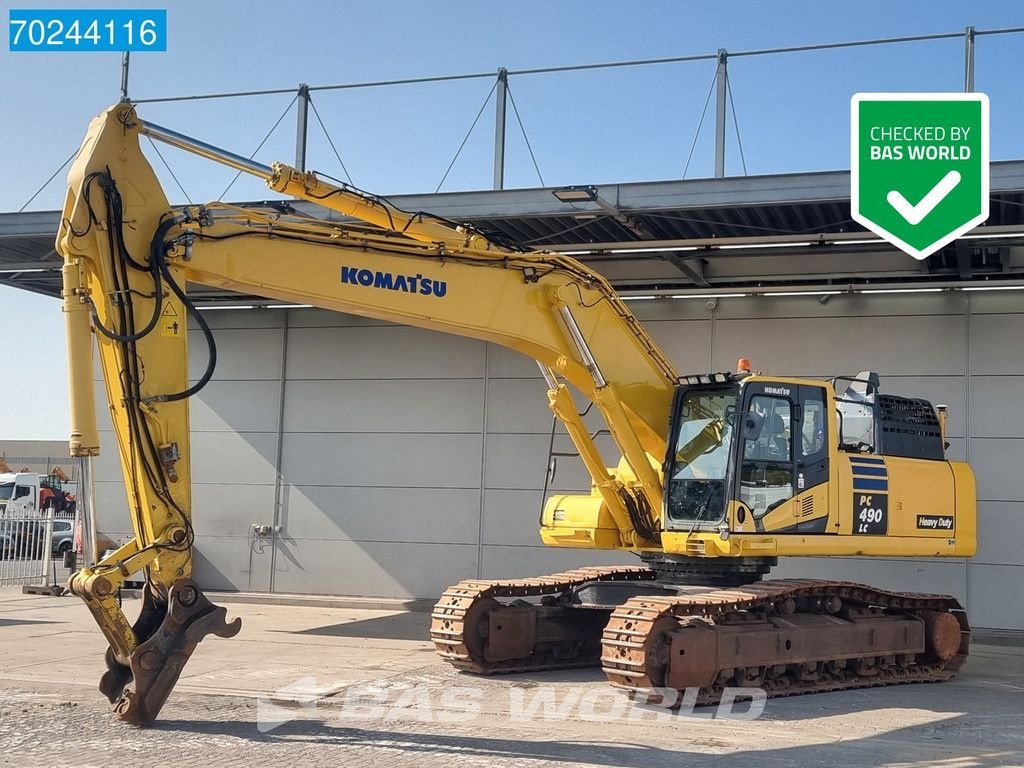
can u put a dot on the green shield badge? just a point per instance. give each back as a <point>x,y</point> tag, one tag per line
<point>919,166</point>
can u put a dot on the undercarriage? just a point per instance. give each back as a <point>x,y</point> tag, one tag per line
<point>657,636</point>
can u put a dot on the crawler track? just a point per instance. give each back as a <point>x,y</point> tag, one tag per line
<point>467,611</point>
<point>785,631</point>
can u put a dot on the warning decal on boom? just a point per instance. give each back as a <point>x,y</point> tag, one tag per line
<point>170,321</point>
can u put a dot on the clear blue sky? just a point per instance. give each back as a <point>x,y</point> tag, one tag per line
<point>604,126</point>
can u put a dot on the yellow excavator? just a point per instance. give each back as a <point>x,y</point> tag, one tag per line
<point>720,473</point>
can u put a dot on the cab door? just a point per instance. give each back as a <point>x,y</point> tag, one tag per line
<point>765,482</point>
<point>812,443</point>
<point>811,449</point>
<point>783,461</point>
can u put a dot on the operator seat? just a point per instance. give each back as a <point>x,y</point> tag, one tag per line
<point>778,446</point>
<point>772,444</point>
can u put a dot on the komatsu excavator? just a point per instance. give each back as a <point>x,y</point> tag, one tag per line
<point>720,473</point>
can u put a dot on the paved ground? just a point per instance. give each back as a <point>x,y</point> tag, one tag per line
<point>304,686</point>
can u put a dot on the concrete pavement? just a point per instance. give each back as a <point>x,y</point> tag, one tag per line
<point>351,686</point>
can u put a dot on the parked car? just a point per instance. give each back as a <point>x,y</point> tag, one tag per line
<point>63,536</point>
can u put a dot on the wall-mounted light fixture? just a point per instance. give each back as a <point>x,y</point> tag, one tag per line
<point>586,193</point>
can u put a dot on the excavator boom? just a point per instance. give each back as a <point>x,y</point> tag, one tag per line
<point>128,256</point>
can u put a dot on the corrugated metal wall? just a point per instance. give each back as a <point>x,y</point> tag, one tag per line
<point>410,460</point>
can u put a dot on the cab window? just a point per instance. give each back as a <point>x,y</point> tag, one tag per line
<point>812,428</point>
<point>766,475</point>
<point>700,459</point>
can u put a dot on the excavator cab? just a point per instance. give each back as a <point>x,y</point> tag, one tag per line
<point>779,455</point>
<point>746,446</point>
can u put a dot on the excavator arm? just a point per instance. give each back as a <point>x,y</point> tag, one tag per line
<point>128,258</point>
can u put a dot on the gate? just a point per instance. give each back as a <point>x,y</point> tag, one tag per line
<point>29,548</point>
<point>26,546</point>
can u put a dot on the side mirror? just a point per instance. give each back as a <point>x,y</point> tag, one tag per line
<point>753,423</point>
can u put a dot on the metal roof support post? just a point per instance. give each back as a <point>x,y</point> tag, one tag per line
<point>500,97</point>
<point>722,78</point>
<point>301,125</point>
<point>968,59</point>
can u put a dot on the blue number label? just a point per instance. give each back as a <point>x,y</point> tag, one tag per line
<point>79,30</point>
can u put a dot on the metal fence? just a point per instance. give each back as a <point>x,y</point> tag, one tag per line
<point>31,543</point>
<point>34,534</point>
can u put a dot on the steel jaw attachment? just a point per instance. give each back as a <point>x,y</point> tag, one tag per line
<point>172,630</point>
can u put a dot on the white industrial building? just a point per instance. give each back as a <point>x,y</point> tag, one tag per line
<point>391,461</point>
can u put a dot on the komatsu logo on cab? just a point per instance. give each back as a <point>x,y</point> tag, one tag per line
<point>389,281</point>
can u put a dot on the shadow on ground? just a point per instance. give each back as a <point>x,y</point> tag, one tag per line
<point>916,745</point>
<point>401,626</point>
<point>19,622</point>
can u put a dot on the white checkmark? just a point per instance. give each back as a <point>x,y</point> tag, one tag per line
<point>916,213</point>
